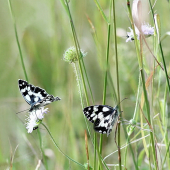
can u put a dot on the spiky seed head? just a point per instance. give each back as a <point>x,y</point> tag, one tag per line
<point>71,56</point>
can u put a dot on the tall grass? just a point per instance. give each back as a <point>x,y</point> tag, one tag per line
<point>33,42</point>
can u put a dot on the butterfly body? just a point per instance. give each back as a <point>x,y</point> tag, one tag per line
<point>35,96</point>
<point>103,117</point>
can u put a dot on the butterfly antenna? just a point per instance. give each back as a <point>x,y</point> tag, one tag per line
<point>22,111</point>
<point>122,101</point>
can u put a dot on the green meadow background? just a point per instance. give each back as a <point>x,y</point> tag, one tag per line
<point>45,33</point>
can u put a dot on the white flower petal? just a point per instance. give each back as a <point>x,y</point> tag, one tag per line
<point>146,29</point>
<point>34,118</point>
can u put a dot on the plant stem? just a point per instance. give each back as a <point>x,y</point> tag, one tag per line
<point>117,78</point>
<point>105,82</point>
<point>166,73</point>
<point>149,119</point>
<point>82,77</point>
<point>88,81</point>
<point>78,52</point>
<point>78,84</point>
<point>60,149</point>
<point>140,62</point>
<point>41,147</point>
<point>160,46</point>
<point>101,11</point>
<point>17,39</point>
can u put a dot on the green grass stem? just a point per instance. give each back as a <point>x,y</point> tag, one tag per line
<point>42,151</point>
<point>78,53</point>
<point>165,123</point>
<point>149,119</point>
<point>140,62</point>
<point>117,79</point>
<point>101,11</point>
<point>167,153</point>
<point>105,81</point>
<point>82,77</point>
<point>88,83</point>
<point>17,39</point>
<point>60,149</point>
<point>164,64</point>
<point>161,50</point>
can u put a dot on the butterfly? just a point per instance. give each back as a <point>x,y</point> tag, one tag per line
<point>103,117</point>
<point>35,96</point>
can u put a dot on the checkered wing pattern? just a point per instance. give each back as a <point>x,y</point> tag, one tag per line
<point>102,116</point>
<point>36,97</point>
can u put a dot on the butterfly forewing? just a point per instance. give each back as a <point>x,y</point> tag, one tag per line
<point>102,116</point>
<point>36,97</point>
<point>25,88</point>
<point>31,93</point>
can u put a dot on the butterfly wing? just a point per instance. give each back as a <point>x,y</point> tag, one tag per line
<point>102,116</point>
<point>31,94</point>
<point>46,100</point>
<point>112,120</point>
<point>35,96</point>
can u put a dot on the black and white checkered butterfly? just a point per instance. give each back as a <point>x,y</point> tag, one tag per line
<point>36,97</point>
<point>103,117</point>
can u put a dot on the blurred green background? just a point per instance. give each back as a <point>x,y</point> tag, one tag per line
<point>45,34</point>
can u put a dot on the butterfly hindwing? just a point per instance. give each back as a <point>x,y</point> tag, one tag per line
<point>112,120</point>
<point>102,116</point>
<point>36,97</point>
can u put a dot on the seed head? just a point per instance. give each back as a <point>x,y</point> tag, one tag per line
<point>71,55</point>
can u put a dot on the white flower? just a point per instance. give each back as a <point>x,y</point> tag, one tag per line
<point>146,29</point>
<point>130,35</point>
<point>35,118</point>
